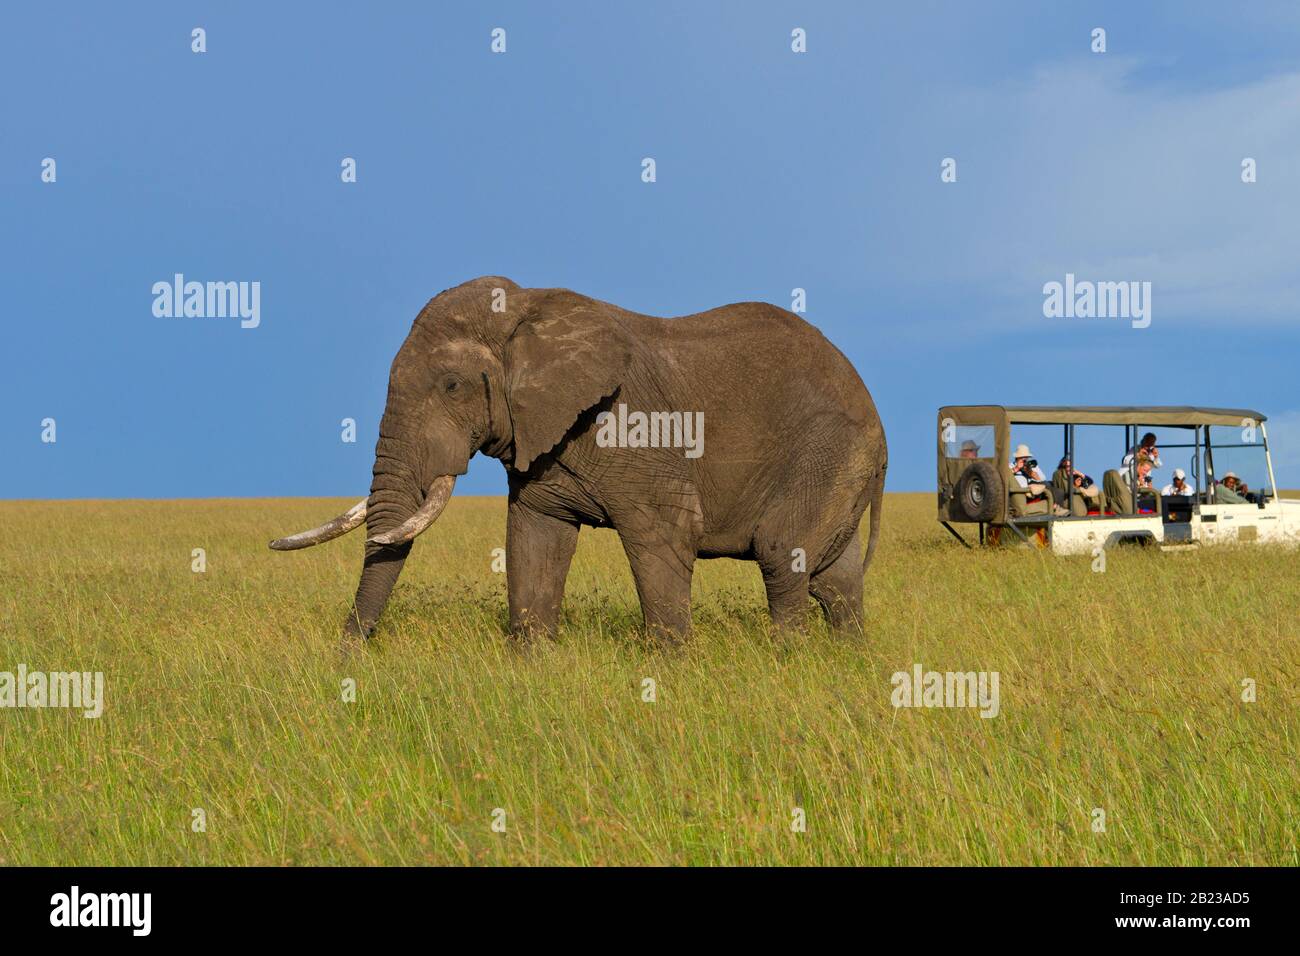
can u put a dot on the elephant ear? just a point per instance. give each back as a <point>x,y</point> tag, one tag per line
<point>567,353</point>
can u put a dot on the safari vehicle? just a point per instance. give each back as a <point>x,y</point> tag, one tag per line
<point>977,484</point>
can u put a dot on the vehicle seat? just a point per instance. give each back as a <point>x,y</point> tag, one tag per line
<point>1119,499</point>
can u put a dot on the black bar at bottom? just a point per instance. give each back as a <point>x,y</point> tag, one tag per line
<point>336,906</point>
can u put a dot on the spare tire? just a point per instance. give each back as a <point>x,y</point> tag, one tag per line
<point>979,494</point>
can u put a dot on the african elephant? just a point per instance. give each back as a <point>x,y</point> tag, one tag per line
<point>551,382</point>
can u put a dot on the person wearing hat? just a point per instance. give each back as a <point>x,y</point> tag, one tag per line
<point>969,449</point>
<point>1179,485</point>
<point>1227,493</point>
<point>1033,484</point>
<point>1026,469</point>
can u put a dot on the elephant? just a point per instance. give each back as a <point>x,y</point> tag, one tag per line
<point>543,380</point>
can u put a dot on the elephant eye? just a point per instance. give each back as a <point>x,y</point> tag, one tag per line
<point>451,385</point>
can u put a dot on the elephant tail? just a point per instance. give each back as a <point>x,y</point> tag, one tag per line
<point>877,493</point>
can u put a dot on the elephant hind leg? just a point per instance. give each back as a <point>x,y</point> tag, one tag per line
<point>787,594</point>
<point>783,559</point>
<point>837,588</point>
<point>817,507</point>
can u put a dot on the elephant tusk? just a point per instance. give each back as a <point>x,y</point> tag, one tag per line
<point>352,518</point>
<point>437,498</point>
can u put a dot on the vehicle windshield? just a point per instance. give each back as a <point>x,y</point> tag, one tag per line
<point>1241,453</point>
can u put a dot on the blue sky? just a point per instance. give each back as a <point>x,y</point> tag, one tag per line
<point>775,170</point>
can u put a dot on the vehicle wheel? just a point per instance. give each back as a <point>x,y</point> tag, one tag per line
<point>979,493</point>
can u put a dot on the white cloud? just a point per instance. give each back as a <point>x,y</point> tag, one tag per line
<point>1083,170</point>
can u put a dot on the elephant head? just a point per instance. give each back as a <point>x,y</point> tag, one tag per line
<point>487,367</point>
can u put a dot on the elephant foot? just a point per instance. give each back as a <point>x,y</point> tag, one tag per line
<point>666,637</point>
<point>529,633</point>
<point>355,630</point>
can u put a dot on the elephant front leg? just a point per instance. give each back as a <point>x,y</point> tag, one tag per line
<point>662,570</point>
<point>539,549</point>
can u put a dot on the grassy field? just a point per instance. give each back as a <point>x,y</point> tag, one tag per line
<point>223,691</point>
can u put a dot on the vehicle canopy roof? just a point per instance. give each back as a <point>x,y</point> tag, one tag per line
<point>1172,415</point>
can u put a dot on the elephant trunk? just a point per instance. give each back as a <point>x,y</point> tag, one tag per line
<point>398,509</point>
<point>395,514</point>
<point>379,573</point>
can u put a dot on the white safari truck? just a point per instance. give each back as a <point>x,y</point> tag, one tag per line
<point>1074,479</point>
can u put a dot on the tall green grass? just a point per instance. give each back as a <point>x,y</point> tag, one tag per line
<point>1119,691</point>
